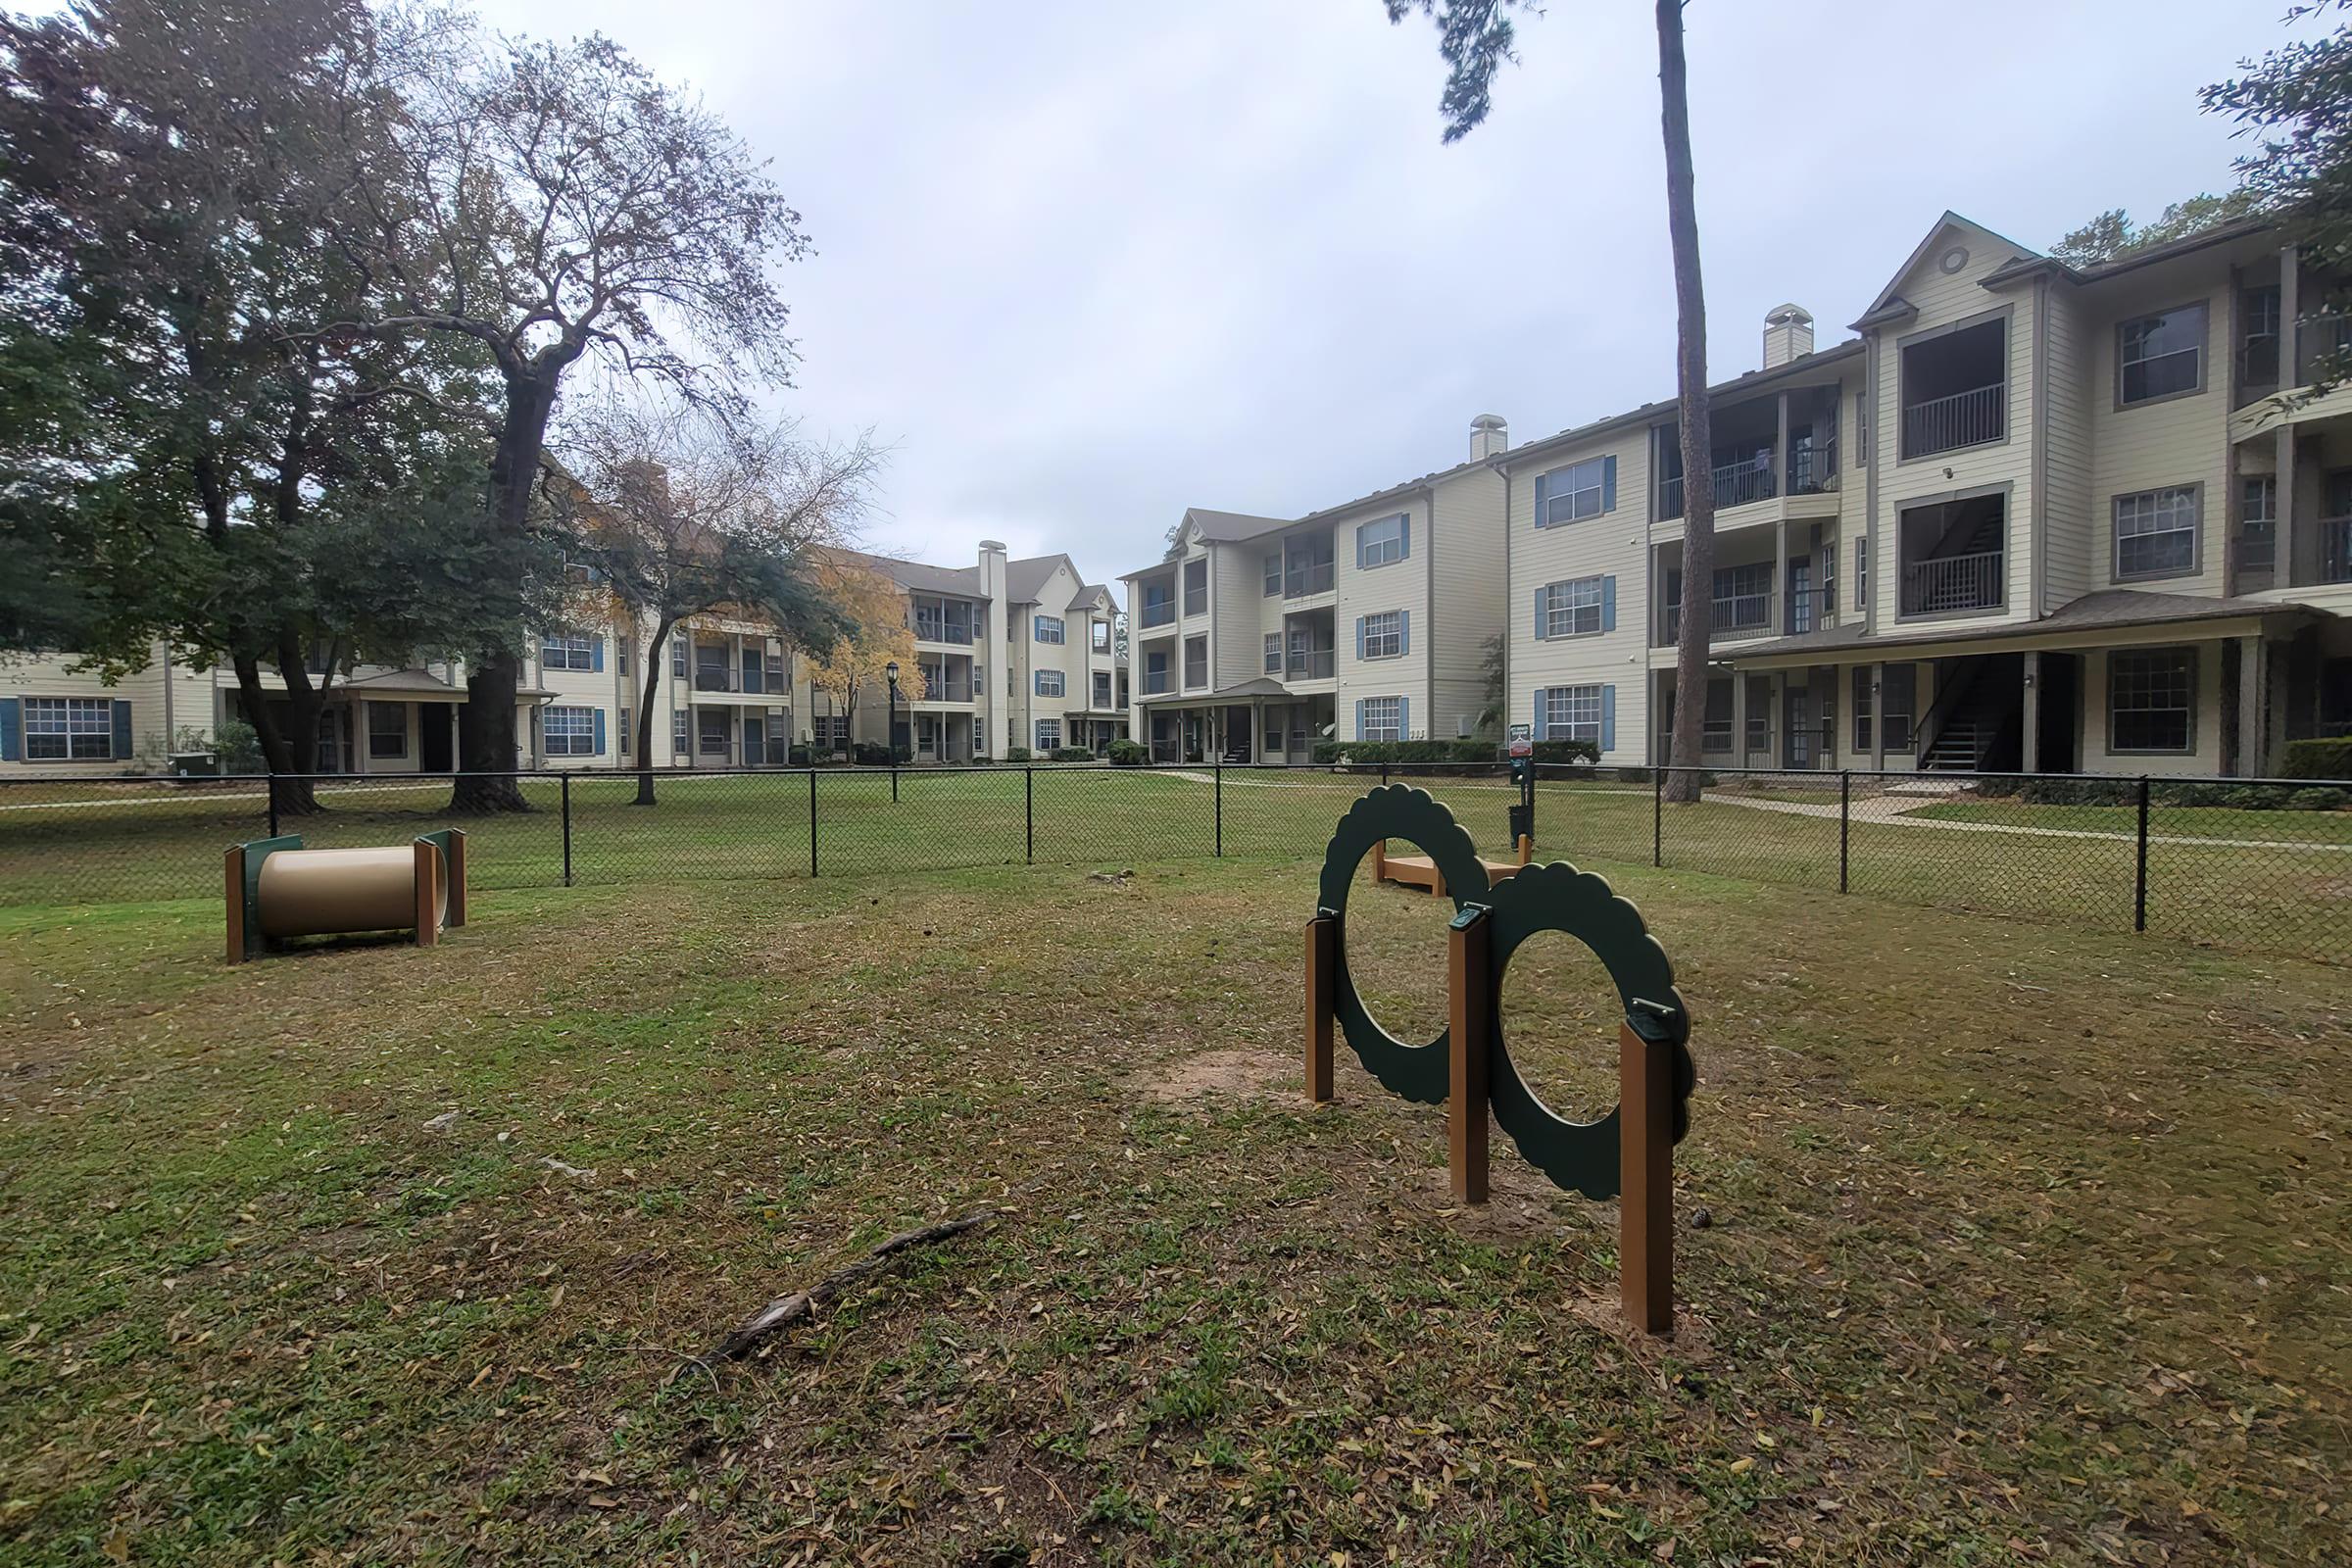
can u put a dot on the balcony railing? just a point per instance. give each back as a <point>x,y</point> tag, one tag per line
<point>1734,617</point>
<point>2335,549</point>
<point>1736,483</point>
<point>1297,581</point>
<point>716,678</point>
<point>932,629</point>
<point>1313,665</point>
<point>1156,685</point>
<point>1811,469</point>
<point>2257,547</point>
<point>1811,608</point>
<point>1162,613</point>
<point>947,691</point>
<point>1963,419</point>
<point>1954,583</point>
<point>2321,341</point>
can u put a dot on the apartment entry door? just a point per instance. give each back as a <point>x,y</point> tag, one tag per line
<point>435,742</point>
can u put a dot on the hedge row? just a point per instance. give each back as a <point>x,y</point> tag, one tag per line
<point>2327,759</point>
<point>2125,791</point>
<point>1374,753</point>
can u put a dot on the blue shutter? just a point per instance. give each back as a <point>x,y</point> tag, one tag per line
<point>1608,718</point>
<point>1404,632</point>
<point>1405,536</point>
<point>1608,483</point>
<point>1609,603</point>
<point>1542,706</point>
<point>121,730</point>
<point>11,729</point>
<point>600,732</point>
<point>1540,479</point>
<point>596,654</point>
<point>1543,610</point>
<point>1359,713</point>
<point>1359,636</point>
<point>1404,718</point>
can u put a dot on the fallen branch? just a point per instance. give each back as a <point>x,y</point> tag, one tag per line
<point>786,1310</point>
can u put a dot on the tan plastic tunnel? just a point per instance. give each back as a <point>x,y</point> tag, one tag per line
<point>308,893</point>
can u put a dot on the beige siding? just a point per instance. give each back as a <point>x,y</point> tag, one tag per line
<point>1466,563</point>
<point>1398,585</point>
<point>158,723</point>
<point>2181,441</point>
<point>2070,517</point>
<point>1235,593</point>
<point>1614,544</point>
<point>2207,758</point>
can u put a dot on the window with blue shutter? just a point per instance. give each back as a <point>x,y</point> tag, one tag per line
<point>121,730</point>
<point>1383,541</point>
<point>1404,718</point>
<point>1359,636</point>
<point>600,733</point>
<point>1609,603</point>
<point>1576,492</point>
<point>1608,718</point>
<point>11,730</point>
<point>1544,612</point>
<point>1582,607</point>
<point>1404,631</point>
<point>596,653</point>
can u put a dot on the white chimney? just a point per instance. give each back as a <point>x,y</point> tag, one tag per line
<point>1489,437</point>
<point>994,714</point>
<point>1787,334</point>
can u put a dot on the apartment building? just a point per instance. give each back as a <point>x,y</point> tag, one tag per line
<point>2029,518</point>
<point>733,694</point>
<point>1258,636</point>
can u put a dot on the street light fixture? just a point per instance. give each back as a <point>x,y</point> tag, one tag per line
<point>889,673</point>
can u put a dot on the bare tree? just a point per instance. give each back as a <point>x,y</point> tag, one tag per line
<point>557,203</point>
<point>1475,39</point>
<point>680,514</point>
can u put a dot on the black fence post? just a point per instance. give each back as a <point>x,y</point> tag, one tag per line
<point>1218,784</point>
<point>274,806</point>
<point>1657,816</point>
<point>564,786</point>
<point>1845,822</point>
<point>1384,775</point>
<point>813,818</point>
<point>1028,816</point>
<point>2140,880</point>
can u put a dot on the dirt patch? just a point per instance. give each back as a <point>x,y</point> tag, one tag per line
<point>1242,1073</point>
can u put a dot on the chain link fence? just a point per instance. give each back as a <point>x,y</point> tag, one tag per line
<point>2259,865</point>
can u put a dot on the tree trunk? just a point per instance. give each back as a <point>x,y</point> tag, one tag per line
<point>1697,437</point>
<point>287,750</point>
<point>645,713</point>
<point>487,753</point>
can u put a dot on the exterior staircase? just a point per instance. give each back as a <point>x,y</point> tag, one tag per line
<point>1983,717</point>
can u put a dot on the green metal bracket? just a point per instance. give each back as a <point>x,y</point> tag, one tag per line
<point>256,852</point>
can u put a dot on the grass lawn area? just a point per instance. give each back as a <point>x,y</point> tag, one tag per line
<point>2177,821</point>
<point>2023,1245</point>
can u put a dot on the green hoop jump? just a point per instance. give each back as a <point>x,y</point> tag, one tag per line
<point>1395,811</point>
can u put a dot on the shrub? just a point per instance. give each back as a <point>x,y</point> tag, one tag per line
<point>1556,752</point>
<point>1375,753</point>
<point>2323,759</point>
<point>2322,799</point>
<point>1129,754</point>
<point>797,756</point>
<point>1071,753</point>
<point>238,745</point>
<point>1016,753</point>
<point>873,754</point>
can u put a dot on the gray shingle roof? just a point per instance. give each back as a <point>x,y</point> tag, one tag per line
<point>2107,608</point>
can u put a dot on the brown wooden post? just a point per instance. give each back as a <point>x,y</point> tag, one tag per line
<point>456,871</point>
<point>1470,1016</point>
<point>236,903</point>
<point>1322,975</point>
<point>1526,849</point>
<point>1379,861</point>
<point>1645,1180</point>
<point>428,888</point>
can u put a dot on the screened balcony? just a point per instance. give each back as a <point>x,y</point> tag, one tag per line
<point>1955,389</point>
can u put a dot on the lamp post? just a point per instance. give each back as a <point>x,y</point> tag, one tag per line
<point>889,673</point>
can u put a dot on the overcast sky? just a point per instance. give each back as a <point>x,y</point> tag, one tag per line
<point>1085,264</point>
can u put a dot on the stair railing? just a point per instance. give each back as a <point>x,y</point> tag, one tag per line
<point>1948,694</point>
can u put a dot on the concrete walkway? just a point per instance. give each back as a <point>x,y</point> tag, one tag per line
<point>1896,809</point>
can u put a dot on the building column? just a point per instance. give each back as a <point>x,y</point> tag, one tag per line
<point>2030,758</point>
<point>1779,607</point>
<point>2253,715</point>
<point>1738,714</point>
<point>1779,451</point>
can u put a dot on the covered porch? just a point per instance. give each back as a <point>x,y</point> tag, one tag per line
<point>1252,721</point>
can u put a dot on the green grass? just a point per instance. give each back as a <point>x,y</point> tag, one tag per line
<point>752,827</point>
<point>2035,1242</point>
<point>2177,821</point>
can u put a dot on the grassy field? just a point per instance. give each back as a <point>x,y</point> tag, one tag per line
<point>2294,897</point>
<point>2014,1251</point>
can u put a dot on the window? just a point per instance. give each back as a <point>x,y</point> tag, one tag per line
<point>1306,565</point>
<point>1049,628</point>
<point>1862,707</point>
<point>2160,356</point>
<point>1048,734</point>
<point>1102,689</point>
<point>2258,336</point>
<point>1571,714</point>
<point>1273,653</point>
<point>1581,490</point>
<point>620,652</point>
<point>832,732</point>
<point>1573,609</point>
<point>388,729</point>
<point>1273,563</point>
<point>1155,673</point>
<point>681,740</point>
<point>569,731</point>
<point>68,730</point>
<point>2156,533</point>
<point>1382,636</point>
<point>1157,611</point>
<point>1195,661</point>
<point>2258,522</point>
<point>570,651</point>
<point>1898,704</point>
<point>1196,587</point>
<point>1049,683</point>
<point>2148,701</point>
<point>715,739</point>
<point>1861,575</point>
<point>1098,635</point>
<point>1385,540</point>
<point>1379,718</point>
<point>625,732</point>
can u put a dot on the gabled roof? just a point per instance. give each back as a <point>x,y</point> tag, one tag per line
<point>2220,234</point>
<point>1227,526</point>
<point>1094,593</point>
<point>1025,580</point>
<point>1889,297</point>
